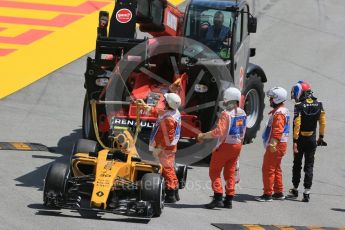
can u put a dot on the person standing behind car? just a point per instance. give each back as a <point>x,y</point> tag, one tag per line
<point>163,142</point>
<point>230,130</point>
<point>307,113</point>
<point>275,138</point>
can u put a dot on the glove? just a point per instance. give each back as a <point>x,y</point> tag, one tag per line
<point>176,86</point>
<point>321,142</point>
<point>273,145</point>
<point>140,102</point>
<point>200,137</point>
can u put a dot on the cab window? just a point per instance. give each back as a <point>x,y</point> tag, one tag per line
<point>245,22</point>
<point>211,27</point>
<point>239,31</point>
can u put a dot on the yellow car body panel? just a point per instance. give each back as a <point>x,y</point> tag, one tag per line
<point>110,172</point>
<point>106,173</point>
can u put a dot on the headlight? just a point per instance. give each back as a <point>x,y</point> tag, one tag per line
<point>102,81</point>
<point>199,88</point>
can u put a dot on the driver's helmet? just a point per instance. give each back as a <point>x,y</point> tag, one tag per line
<point>300,90</point>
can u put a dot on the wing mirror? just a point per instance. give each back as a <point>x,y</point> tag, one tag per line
<point>252,52</point>
<point>252,24</point>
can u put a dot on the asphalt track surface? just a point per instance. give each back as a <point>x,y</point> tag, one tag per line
<point>295,40</point>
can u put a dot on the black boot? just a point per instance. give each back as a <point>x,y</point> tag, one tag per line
<point>177,195</point>
<point>293,193</point>
<point>306,197</point>
<point>264,198</point>
<point>278,196</point>
<point>170,196</point>
<point>228,201</point>
<point>217,201</point>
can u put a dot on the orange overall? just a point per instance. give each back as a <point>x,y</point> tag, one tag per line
<point>271,170</point>
<point>226,155</point>
<point>164,136</point>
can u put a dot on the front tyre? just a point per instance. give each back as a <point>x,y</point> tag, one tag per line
<point>55,184</point>
<point>152,190</point>
<point>254,105</point>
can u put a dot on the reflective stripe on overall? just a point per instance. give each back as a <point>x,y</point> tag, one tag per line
<point>177,117</point>
<point>237,127</point>
<point>266,136</point>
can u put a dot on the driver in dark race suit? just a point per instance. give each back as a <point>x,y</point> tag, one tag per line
<point>230,132</point>
<point>308,112</point>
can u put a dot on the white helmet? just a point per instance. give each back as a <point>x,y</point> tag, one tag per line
<point>278,94</point>
<point>173,100</point>
<point>232,94</point>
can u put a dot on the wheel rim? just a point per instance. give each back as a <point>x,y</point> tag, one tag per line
<point>87,120</point>
<point>252,107</point>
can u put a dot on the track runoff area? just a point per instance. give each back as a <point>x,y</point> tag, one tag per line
<point>43,36</point>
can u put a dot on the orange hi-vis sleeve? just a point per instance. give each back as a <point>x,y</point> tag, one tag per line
<point>278,126</point>
<point>222,126</point>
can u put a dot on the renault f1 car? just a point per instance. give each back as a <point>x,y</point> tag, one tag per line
<point>112,179</point>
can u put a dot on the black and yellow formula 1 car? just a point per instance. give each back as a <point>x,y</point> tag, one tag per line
<point>113,179</point>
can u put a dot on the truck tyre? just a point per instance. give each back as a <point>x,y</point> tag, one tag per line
<point>254,105</point>
<point>152,190</point>
<point>88,129</point>
<point>55,184</point>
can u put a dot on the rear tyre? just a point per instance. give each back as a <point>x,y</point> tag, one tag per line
<point>88,129</point>
<point>253,105</point>
<point>55,184</point>
<point>152,190</point>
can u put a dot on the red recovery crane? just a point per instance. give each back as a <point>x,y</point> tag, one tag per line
<point>116,36</point>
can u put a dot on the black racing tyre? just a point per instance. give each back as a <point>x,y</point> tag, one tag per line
<point>253,105</point>
<point>181,174</point>
<point>85,146</point>
<point>87,126</point>
<point>152,190</point>
<point>56,182</point>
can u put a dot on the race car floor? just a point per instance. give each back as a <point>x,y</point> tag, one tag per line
<point>295,40</point>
